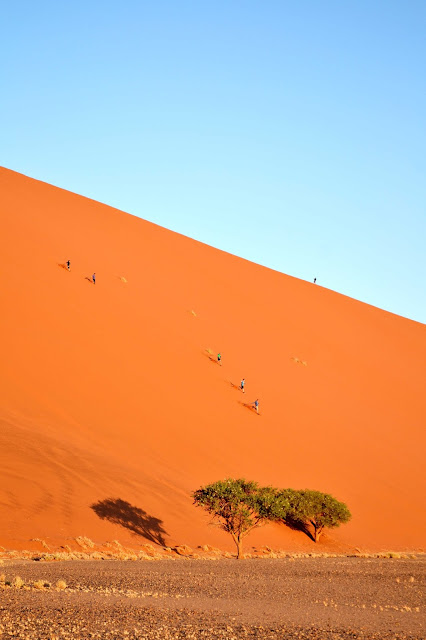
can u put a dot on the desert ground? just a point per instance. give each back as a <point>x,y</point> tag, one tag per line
<point>286,599</point>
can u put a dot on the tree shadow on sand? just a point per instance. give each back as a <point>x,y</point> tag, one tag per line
<point>298,525</point>
<point>133,518</point>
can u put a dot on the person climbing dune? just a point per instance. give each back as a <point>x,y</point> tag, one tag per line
<point>94,278</point>
<point>68,263</point>
<point>219,358</point>
<point>242,385</point>
<point>256,405</point>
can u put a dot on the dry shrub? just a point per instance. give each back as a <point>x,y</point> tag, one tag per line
<point>38,584</point>
<point>42,542</point>
<point>124,556</point>
<point>203,547</point>
<point>17,582</point>
<point>84,542</point>
<point>299,361</point>
<point>149,550</point>
<point>183,550</point>
<point>61,585</point>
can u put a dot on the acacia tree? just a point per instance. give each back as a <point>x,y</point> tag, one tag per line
<point>240,506</point>
<point>320,510</point>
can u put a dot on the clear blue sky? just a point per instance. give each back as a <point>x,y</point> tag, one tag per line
<point>290,133</point>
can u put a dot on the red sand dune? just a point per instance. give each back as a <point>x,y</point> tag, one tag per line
<point>108,392</point>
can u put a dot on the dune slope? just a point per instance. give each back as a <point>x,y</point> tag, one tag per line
<point>112,410</point>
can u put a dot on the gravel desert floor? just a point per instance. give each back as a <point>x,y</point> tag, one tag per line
<point>304,598</point>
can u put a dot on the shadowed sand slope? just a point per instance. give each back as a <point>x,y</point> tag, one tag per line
<point>109,396</point>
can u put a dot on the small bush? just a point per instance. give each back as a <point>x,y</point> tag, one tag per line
<point>17,582</point>
<point>42,542</point>
<point>38,584</point>
<point>85,542</point>
<point>61,585</point>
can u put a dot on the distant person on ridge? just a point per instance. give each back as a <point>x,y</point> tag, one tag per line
<point>94,278</point>
<point>256,406</point>
<point>315,280</point>
<point>68,263</point>
<point>242,383</point>
<point>219,358</point>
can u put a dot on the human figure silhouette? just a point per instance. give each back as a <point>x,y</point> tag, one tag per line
<point>219,358</point>
<point>94,278</point>
<point>242,384</point>
<point>315,280</point>
<point>68,263</point>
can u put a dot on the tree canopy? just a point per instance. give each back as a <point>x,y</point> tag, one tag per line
<point>309,507</point>
<point>242,505</point>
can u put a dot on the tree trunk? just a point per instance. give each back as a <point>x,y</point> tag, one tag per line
<point>239,544</point>
<point>239,549</point>
<point>317,532</point>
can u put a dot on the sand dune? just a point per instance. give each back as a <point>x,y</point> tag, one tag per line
<point>109,392</point>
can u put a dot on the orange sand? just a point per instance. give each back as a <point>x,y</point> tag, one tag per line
<point>107,390</point>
